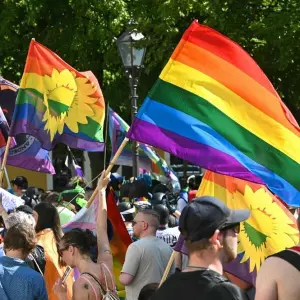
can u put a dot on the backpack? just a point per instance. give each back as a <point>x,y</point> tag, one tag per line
<point>105,293</point>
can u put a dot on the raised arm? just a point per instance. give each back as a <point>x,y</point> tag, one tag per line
<point>104,253</point>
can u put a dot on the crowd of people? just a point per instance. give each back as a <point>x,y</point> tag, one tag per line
<point>36,253</point>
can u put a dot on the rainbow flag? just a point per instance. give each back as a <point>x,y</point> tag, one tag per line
<point>271,227</point>
<point>213,106</point>
<point>86,219</point>
<point>118,129</point>
<point>57,104</point>
<point>26,152</point>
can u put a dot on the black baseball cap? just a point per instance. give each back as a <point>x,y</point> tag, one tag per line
<point>21,182</point>
<point>204,215</point>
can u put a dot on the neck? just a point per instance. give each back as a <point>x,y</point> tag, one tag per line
<point>147,233</point>
<point>84,264</point>
<point>205,260</point>
<point>16,254</point>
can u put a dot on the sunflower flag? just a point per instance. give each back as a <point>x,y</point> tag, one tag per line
<point>57,104</point>
<point>270,228</point>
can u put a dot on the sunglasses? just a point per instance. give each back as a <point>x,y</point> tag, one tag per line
<point>135,222</point>
<point>60,251</point>
<point>236,228</point>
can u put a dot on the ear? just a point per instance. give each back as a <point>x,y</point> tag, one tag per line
<point>217,239</point>
<point>72,250</point>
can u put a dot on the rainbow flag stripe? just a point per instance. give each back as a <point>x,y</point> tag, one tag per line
<point>56,103</point>
<point>213,106</point>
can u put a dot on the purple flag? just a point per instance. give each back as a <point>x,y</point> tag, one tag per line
<point>27,153</point>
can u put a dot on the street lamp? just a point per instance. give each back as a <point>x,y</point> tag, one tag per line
<point>132,58</point>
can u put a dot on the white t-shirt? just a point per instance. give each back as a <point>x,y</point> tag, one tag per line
<point>169,235</point>
<point>146,260</point>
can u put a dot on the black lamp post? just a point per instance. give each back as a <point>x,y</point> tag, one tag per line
<point>132,58</point>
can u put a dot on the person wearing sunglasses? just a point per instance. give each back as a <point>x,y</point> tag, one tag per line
<point>210,230</point>
<point>96,280</point>
<point>147,258</point>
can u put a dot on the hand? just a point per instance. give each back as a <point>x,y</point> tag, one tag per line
<point>103,181</point>
<point>60,289</point>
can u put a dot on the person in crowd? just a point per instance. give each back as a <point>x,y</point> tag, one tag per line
<point>147,258</point>
<point>17,280</point>
<point>210,230</point>
<point>49,234</point>
<point>127,212</point>
<point>65,214</point>
<point>96,280</point>
<point>19,185</point>
<point>31,196</point>
<point>169,235</point>
<point>36,257</point>
<point>279,274</point>
<point>148,291</point>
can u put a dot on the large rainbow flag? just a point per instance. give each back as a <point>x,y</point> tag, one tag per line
<point>56,103</point>
<point>86,219</point>
<point>213,106</point>
<point>271,227</point>
<point>26,152</point>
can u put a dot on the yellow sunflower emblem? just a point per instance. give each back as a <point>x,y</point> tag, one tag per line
<point>268,230</point>
<point>68,101</point>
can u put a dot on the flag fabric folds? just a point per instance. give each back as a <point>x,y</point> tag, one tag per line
<point>213,106</point>
<point>271,227</point>
<point>26,152</point>
<point>86,219</point>
<point>118,129</point>
<point>56,103</point>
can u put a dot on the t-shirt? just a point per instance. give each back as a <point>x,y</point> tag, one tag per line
<point>201,285</point>
<point>65,215</point>
<point>18,281</point>
<point>146,260</point>
<point>169,235</point>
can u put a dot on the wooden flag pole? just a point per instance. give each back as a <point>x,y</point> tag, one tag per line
<point>4,160</point>
<point>110,166</point>
<point>167,270</point>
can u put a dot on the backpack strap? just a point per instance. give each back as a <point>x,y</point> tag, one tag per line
<point>102,291</point>
<point>290,256</point>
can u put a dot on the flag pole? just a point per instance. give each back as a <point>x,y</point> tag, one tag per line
<point>167,270</point>
<point>7,178</point>
<point>109,168</point>
<point>106,133</point>
<point>4,160</point>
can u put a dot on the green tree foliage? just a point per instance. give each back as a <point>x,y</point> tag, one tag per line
<point>82,32</point>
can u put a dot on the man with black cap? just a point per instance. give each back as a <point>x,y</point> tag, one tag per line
<point>19,185</point>
<point>210,230</point>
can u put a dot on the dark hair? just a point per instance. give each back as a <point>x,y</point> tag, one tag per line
<point>83,240</point>
<point>31,196</point>
<point>148,291</point>
<point>48,218</point>
<point>123,206</point>
<point>163,213</point>
<point>124,190</point>
<point>138,189</point>
<point>20,237</point>
<point>50,197</point>
<point>160,188</point>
